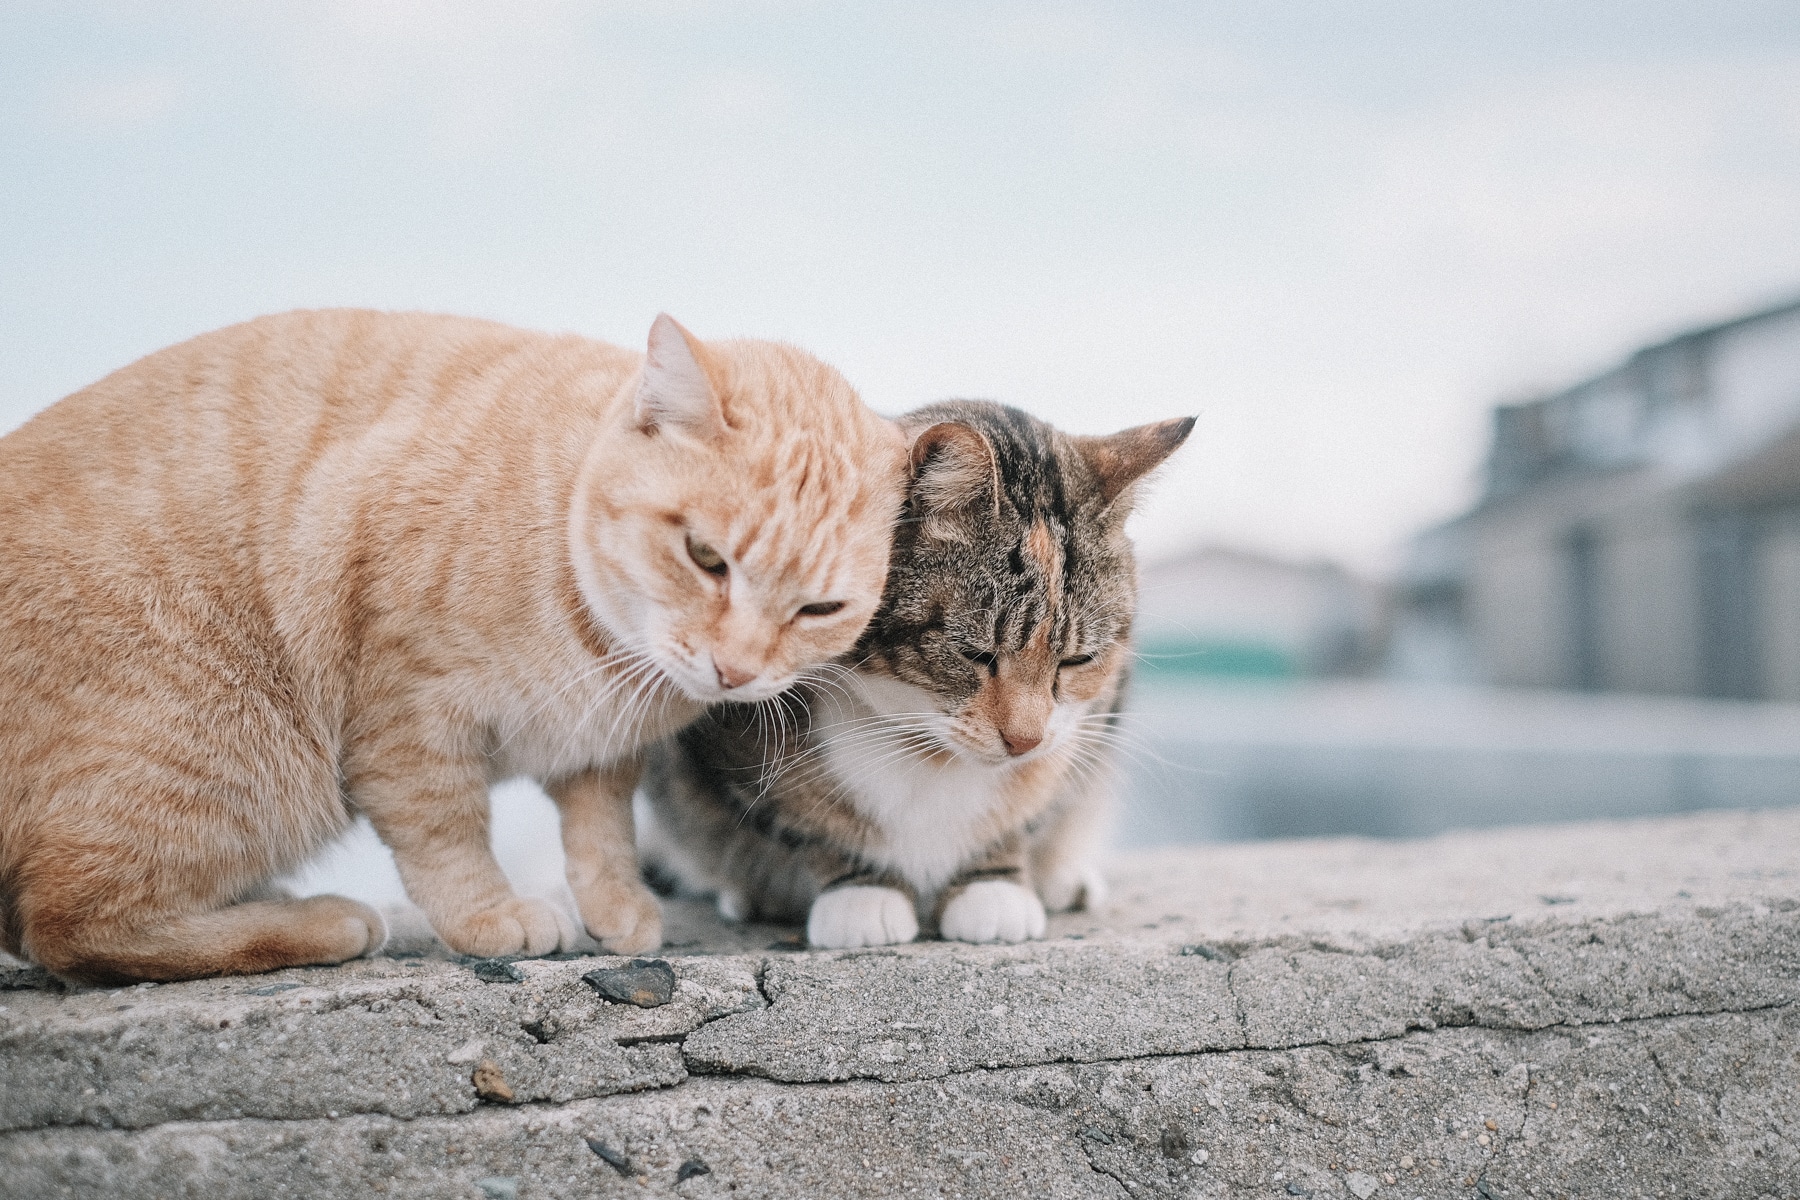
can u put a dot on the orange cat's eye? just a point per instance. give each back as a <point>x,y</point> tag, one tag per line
<point>1080,660</point>
<point>823,608</point>
<point>706,558</point>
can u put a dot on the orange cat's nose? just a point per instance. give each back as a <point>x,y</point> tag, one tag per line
<point>1017,744</point>
<point>732,677</point>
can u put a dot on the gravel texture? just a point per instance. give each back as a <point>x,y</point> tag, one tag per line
<point>1594,1010</point>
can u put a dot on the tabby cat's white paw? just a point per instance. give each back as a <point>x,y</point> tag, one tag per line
<point>993,910</point>
<point>846,917</point>
<point>1079,888</point>
<point>732,905</point>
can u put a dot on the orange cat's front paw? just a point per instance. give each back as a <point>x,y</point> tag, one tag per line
<point>625,918</point>
<point>517,925</point>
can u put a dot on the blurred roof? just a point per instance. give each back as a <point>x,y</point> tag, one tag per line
<point>1702,402</point>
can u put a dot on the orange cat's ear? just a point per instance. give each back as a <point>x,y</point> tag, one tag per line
<point>675,391</point>
<point>1121,459</point>
<point>954,472</point>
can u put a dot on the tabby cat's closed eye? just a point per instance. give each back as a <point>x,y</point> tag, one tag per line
<point>983,658</point>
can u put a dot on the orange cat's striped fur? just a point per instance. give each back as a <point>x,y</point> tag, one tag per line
<point>339,562</point>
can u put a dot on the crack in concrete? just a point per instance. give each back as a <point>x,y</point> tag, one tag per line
<point>659,1039</point>
<point>1087,1153</point>
<point>1273,1048</point>
<point>1237,1003</point>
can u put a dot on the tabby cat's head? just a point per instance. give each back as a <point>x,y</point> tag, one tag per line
<point>1012,586</point>
<point>737,531</point>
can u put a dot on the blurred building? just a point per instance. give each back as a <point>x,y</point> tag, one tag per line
<point>1225,612</point>
<point>1639,531</point>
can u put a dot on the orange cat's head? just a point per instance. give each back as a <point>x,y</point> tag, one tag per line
<point>735,528</point>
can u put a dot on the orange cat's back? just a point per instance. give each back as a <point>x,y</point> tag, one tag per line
<point>242,460</point>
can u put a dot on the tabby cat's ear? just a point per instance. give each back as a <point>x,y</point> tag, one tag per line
<point>954,475</point>
<point>675,391</point>
<point>1121,459</point>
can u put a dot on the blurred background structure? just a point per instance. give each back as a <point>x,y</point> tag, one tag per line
<point>1338,233</point>
<point>1221,612</point>
<point>1639,531</point>
<point>1578,644</point>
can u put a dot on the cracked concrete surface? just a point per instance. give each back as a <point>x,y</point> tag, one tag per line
<point>1594,1010</point>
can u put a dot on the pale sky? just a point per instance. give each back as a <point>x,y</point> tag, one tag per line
<point>1337,231</point>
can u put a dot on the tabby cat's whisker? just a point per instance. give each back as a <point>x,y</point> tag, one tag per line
<point>1133,745</point>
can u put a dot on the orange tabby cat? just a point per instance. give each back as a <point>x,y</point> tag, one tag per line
<point>340,562</point>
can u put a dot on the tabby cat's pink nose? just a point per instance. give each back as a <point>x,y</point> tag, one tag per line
<point>1018,744</point>
<point>732,677</point>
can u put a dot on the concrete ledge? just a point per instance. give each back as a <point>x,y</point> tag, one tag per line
<point>1603,1010</point>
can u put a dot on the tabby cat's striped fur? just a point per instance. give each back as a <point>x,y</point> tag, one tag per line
<point>956,768</point>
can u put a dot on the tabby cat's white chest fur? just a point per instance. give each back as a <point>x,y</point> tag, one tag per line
<point>933,813</point>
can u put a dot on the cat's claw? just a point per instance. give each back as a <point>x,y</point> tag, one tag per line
<point>846,917</point>
<point>993,910</point>
<point>518,925</point>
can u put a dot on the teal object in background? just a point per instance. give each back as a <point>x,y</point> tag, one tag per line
<point>1214,658</point>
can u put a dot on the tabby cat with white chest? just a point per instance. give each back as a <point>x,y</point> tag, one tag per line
<point>337,563</point>
<point>953,769</point>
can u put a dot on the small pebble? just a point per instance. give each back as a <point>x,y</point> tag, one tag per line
<point>1202,950</point>
<point>1097,1135</point>
<point>608,1155</point>
<point>1482,1139</point>
<point>496,970</point>
<point>499,1187</point>
<point>490,1084</point>
<point>1388,1178</point>
<point>1406,1162</point>
<point>1362,1185</point>
<point>1200,1157</point>
<point>691,1168</point>
<point>645,982</point>
<point>1491,1126</point>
